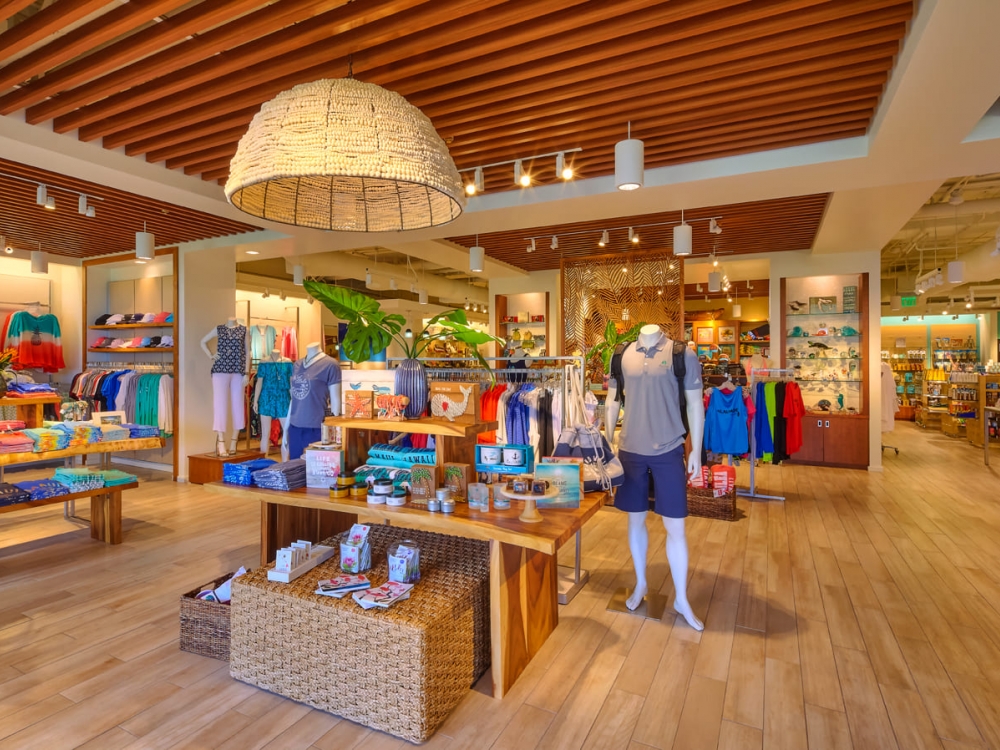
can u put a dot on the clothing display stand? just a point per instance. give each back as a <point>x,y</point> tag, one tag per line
<point>763,374</point>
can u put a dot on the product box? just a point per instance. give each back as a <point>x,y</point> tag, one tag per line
<point>565,477</point>
<point>358,404</point>
<point>423,482</point>
<point>456,478</point>
<point>323,467</point>
<point>455,402</point>
<point>723,480</point>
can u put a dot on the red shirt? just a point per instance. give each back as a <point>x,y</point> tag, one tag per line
<point>795,409</point>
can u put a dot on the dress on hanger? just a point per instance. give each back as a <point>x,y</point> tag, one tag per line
<point>262,341</point>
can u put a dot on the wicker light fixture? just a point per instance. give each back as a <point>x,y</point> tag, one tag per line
<point>345,155</point>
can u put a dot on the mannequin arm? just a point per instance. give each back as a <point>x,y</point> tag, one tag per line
<point>696,428</point>
<point>204,345</point>
<point>335,399</point>
<point>246,358</point>
<point>256,392</point>
<point>288,423</point>
<point>612,409</point>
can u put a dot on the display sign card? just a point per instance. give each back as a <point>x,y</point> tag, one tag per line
<point>565,477</point>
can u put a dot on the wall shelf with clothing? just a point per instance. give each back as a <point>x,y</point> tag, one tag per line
<point>137,371</point>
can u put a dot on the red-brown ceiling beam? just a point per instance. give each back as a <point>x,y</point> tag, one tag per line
<point>85,38</point>
<point>9,8</point>
<point>142,44</point>
<point>232,135</point>
<point>46,21</point>
<point>208,165</point>
<point>237,119</point>
<point>358,27</point>
<point>216,174</point>
<point>226,149</point>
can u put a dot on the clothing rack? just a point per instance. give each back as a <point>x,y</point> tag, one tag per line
<point>165,369</point>
<point>768,375</point>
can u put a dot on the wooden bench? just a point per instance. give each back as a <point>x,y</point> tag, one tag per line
<point>105,510</point>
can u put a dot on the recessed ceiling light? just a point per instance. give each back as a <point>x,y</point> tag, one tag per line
<point>253,252</point>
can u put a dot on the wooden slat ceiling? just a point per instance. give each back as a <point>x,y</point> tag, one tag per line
<point>760,227</point>
<point>118,216</point>
<point>499,79</point>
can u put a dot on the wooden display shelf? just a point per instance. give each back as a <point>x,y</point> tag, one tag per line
<point>440,427</point>
<point>131,325</point>
<point>31,411</point>
<point>112,446</point>
<point>105,510</point>
<point>207,467</point>
<point>133,350</point>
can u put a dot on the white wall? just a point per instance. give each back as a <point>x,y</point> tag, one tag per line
<point>537,281</point>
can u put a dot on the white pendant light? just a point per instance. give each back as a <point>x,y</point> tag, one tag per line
<point>392,283</point>
<point>144,244</point>
<point>368,279</point>
<point>477,257</point>
<point>629,161</point>
<point>41,195</point>
<point>683,238</point>
<point>714,281</point>
<point>737,310</point>
<point>956,272</point>
<point>81,204</point>
<point>554,245</point>
<point>605,239</point>
<point>39,262</point>
<point>896,302</point>
<point>422,296</point>
<point>298,275</point>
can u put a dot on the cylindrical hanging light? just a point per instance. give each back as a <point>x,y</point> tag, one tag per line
<point>737,310</point>
<point>896,302</point>
<point>629,159</point>
<point>298,275</point>
<point>342,154</point>
<point>956,272</point>
<point>39,262</point>
<point>144,243</point>
<point>477,259</point>
<point>683,239</point>
<point>422,296</point>
<point>715,281</point>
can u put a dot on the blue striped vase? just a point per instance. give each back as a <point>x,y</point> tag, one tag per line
<point>411,380</point>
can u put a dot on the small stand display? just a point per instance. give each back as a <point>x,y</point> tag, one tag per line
<point>530,513</point>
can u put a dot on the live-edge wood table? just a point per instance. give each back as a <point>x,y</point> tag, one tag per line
<point>31,410</point>
<point>523,576</point>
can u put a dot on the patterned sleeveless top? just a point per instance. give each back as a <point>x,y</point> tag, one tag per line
<point>231,346</point>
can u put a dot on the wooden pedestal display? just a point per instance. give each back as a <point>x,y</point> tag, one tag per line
<point>207,467</point>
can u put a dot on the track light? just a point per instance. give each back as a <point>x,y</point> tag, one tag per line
<point>713,227</point>
<point>298,275</point>
<point>939,279</point>
<point>956,197</point>
<point>475,307</point>
<point>697,288</point>
<point>81,204</point>
<point>422,296</point>
<point>50,204</point>
<point>521,177</point>
<point>632,236</point>
<point>91,212</point>
<point>968,305</point>
<point>531,245</point>
<point>629,163</point>
<point>7,248</point>
<point>906,318</point>
<point>477,185</point>
<point>715,261</point>
<point>368,279</point>
<point>466,303</point>
<point>266,293</point>
<point>408,333</point>
<point>554,245</point>
<point>41,195</point>
<point>562,169</point>
<point>683,238</point>
<point>39,262</point>
<point>605,238</point>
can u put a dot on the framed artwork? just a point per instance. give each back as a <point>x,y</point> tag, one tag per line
<point>704,350</point>
<point>688,332</point>
<point>729,350</point>
<point>706,335</point>
<point>823,305</point>
<point>727,334</point>
<point>108,417</point>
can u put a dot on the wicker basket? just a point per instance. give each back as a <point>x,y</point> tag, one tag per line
<point>205,625</point>
<point>702,502</point>
<point>400,670</point>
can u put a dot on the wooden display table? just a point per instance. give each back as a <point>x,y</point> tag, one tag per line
<point>207,467</point>
<point>107,448</point>
<point>523,576</point>
<point>31,411</point>
<point>105,510</point>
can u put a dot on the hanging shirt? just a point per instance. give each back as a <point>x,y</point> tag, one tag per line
<point>726,423</point>
<point>262,340</point>
<point>762,424</point>
<point>795,409</point>
<point>780,433</point>
<point>311,389</point>
<point>38,341</point>
<point>770,398</point>
<point>289,343</point>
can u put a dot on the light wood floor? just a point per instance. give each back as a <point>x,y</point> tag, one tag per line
<point>863,612</point>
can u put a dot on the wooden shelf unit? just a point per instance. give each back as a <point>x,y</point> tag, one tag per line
<point>988,397</point>
<point>131,325</point>
<point>134,349</point>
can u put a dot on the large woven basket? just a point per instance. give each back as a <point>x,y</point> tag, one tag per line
<point>401,670</point>
<point>703,503</point>
<point>205,625</point>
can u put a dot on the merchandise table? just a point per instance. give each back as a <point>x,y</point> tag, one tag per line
<point>523,575</point>
<point>31,411</point>
<point>105,509</point>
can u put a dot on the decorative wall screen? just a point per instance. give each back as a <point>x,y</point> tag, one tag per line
<point>627,288</point>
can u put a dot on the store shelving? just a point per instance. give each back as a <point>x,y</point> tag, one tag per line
<point>134,349</point>
<point>130,325</point>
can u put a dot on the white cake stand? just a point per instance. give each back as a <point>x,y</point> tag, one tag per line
<point>530,513</point>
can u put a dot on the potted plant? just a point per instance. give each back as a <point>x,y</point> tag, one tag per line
<point>605,348</point>
<point>7,359</point>
<point>370,330</point>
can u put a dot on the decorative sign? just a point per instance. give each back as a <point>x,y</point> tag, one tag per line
<point>850,299</point>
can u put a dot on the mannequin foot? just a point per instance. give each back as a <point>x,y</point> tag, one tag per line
<point>636,597</point>
<point>233,446</point>
<point>685,612</point>
<point>220,448</point>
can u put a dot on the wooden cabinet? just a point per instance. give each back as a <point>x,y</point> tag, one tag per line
<point>834,440</point>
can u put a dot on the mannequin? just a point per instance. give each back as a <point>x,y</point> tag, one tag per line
<point>314,377</point>
<point>652,441</point>
<point>230,373</point>
<point>274,375</point>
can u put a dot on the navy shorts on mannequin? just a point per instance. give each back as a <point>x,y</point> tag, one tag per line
<point>669,483</point>
<point>299,438</point>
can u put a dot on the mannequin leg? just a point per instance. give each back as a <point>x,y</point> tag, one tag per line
<point>265,434</point>
<point>284,443</point>
<point>638,544</point>
<point>677,555</point>
<point>220,396</point>
<point>238,408</point>
<point>220,443</point>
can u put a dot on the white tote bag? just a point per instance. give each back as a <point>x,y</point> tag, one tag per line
<point>580,439</point>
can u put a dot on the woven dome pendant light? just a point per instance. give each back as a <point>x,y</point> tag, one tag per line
<point>345,155</point>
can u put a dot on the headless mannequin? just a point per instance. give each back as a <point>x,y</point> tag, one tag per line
<point>314,352</point>
<point>638,534</point>
<point>220,435</point>
<point>265,421</point>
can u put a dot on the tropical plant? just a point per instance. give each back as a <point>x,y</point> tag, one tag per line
<point>7,358</point>
<point>419,474</point>
<point>605,348</point>
<point>452,472</point>
<point>370,329</point>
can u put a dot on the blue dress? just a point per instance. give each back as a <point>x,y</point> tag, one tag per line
<point>275,393</point>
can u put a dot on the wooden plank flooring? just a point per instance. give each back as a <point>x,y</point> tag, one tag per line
<point>863,612</point>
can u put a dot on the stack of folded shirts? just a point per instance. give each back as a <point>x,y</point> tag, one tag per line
<point>141,431</point>
<point>11,494</point>
<point>368,473</point>
<point>46,439</point>
<point>10,425</point>
<point>113,477</point>
<point>111,432</point>
<point>79,479</point>
<point>289,475</point>
<point>396,456</point>
<point>42,489</point>
<point>242,473</point>
<point>28,390</point>
<point>80,433</point>
<point>16,442</point>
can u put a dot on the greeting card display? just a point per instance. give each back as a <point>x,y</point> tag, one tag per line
<point>455,402</point>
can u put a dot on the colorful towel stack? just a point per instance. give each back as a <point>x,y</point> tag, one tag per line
<point>11,425</point>
<point>242,473</point>
<point>285,476</point>
<point>369,473</point>
<point>11,494</point>
<point>79,480</point>
<point>112,432</point>
<point>30,390</point>
<point>398,457</point>
<point>141,431</point>
<point>47,439</point>
<point>16,442</point>
<point>87,432</point>
<point>42,489</point>
<point>113,477</point>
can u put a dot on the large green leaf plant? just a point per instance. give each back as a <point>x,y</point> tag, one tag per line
<point>370,329</point>
<point>605,349</point>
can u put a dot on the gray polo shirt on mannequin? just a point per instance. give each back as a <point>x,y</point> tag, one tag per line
<point>652,424</point>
